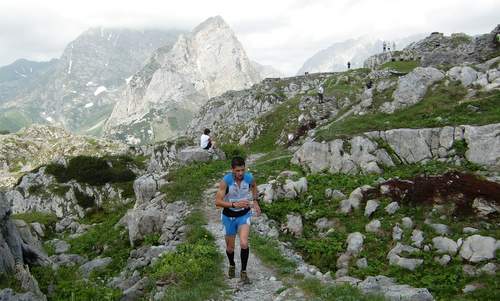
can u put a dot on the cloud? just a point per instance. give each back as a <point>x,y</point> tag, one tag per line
<point>282,33</point>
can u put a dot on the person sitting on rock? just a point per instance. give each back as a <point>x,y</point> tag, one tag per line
<point>206,141</point>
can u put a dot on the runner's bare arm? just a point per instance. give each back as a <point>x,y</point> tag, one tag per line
<point>219,197</point>
<point>255,195</point>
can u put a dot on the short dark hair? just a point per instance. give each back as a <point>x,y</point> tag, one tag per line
<point>237,161</point>
<point>206,131</point>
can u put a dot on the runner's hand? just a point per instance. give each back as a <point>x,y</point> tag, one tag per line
<point>256,207</point>
<point>242,204</point>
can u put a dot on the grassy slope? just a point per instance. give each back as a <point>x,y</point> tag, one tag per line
<point>440,107</point>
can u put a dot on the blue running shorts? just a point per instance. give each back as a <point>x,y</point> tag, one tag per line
<point>231,224</point>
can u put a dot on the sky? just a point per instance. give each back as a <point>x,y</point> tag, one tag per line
<point>281,33</point>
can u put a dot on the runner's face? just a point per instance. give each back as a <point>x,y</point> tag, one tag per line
<point>238,172</point>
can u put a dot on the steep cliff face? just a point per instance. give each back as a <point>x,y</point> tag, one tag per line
<point>160,100</point>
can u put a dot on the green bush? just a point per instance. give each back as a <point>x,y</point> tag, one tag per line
<point>233,150</point>
<point>84,200</point>
<point>93,171</point>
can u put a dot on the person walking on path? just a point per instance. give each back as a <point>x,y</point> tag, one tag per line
<point>238,196</point>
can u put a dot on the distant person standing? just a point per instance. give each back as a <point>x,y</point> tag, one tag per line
<point>369,84</point>
<point>206,141</point>
<point>321,90</point>
<point>348,65</point>
<point>384,46</point>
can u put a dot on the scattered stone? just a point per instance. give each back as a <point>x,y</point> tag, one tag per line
<point>39,229</point>
<point>145,188</point>
<point>406,263</point>
<point>469,288</point>
<point>443,260</point>
<point>484,207</point>
<point>362,263</point>
<point>386,286</point>
<point>478,248</point>
<point>489,268</point>
<point>9,295</point>
<point>444,245</point>
<point>371,206</point>
<point>347,280</point>
<point>60,246</point>
<point>341,273</point>
<point>407,223</point>
<point>392,208</point>
<point>93,265</point>
<point>337,195</point>
<point>355,242</point>
<point>469,270</point>
<point>343,260</point>
<point>397,233</point>
<point>417,238</point>
<point>63,224</point>
<point>294,224</point>
<point>373,226</point>
<point>324,223</point>
<point>470,230</point>
<point>67,260</point>
<point>440,228</point>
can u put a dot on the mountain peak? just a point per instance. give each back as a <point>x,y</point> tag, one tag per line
<point>211,23</point>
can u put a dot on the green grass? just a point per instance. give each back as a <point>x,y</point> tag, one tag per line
<point>265,168</point>
<point>268,251</point>
<point>282,118</point>
<point>347,86</point>
<point>439,108</point>
<point>443,283</point>
<point>46,219</point>
<point>401,66</point>
<point>105,240</point>
<point>67,284</point>
<point>193,271</point>
<point>188,182</point>
<point>318,291</point>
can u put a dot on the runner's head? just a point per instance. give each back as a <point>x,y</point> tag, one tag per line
<point>206,131</point>
<point>238,167</point>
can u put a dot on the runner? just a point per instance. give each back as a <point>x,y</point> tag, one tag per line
<point>238,196</point>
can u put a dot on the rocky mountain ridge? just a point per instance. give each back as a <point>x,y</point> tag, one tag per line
<point>79,90</point>
<point>203,64</point>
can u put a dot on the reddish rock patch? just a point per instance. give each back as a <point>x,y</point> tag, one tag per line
<point>456,187</point>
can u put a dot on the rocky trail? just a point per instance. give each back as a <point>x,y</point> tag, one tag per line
<point>264,284</point>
